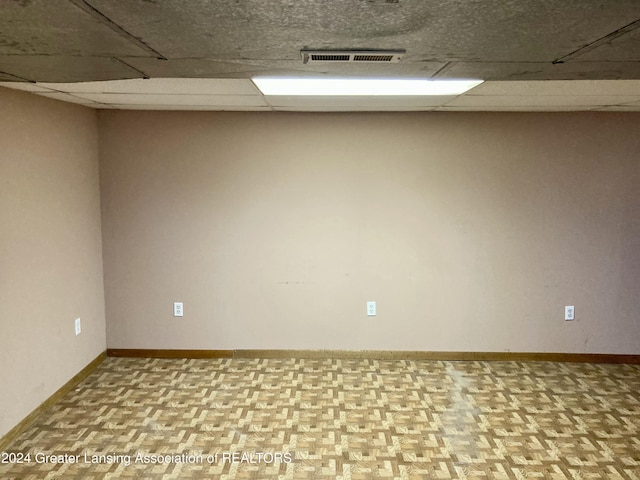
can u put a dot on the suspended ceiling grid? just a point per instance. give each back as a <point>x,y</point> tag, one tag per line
<point>200,54</point>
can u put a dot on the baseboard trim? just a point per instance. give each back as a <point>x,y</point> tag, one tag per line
<point>21,427</point>
<point>381,355</point>
<point>159,353</point>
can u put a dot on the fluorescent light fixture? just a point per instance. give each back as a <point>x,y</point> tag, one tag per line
<point>361,86</point>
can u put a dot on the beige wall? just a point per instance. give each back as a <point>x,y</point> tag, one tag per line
<point>50,249</point>
<point>471,231</point>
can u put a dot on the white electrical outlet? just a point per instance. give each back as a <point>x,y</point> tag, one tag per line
<point>371,309</point>
<point>177,309</point>
<point>78,326</point>
<point>569,312</point>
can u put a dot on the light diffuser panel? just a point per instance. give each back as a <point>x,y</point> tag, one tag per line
<point>361,86</point>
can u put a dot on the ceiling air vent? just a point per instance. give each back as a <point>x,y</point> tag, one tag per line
<point>324,57</point>
<point>351,56</point>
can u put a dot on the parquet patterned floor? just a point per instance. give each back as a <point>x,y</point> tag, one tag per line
<point>338,419</point>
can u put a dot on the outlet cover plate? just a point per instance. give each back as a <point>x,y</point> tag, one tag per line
<point>569,313</point>
<point>371,309</point>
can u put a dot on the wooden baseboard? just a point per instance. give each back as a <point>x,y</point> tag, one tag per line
<point>21,427</point>
<point>155,353</point>
<point>382,355</point>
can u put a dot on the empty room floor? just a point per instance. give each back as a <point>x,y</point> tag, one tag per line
<point>338,419</point>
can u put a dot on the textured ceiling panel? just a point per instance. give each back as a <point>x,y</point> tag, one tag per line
<point>624,49</point>
<point>437,30</point>
<point>57,27</point>
<point>65,69</point>
<point>72,41</point>
<point>5,77</point>
<point>199,68</point>
<point>271,30</point>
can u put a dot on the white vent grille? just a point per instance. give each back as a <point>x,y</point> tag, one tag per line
<point>351,56</point>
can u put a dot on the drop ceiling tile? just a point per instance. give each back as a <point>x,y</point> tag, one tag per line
<point>176,100</point>
<point>575,70</point>
<point>25,86</point>
<point>54,68</point>
<point>178,86</point>
<point>621,108</point>
<point>104,106</point>
<point>357,101</point>
<point>507,108</point>
<point>635,103</point>
<point>558,87</point>
<point>538,100</point>
<point>217,108</point>
<point>65,97</point>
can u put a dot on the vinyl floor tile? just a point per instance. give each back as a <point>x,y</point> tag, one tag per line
<point>338,419</point>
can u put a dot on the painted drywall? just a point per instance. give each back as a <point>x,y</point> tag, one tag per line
<point>471,231</point>
<point>50,249</point>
